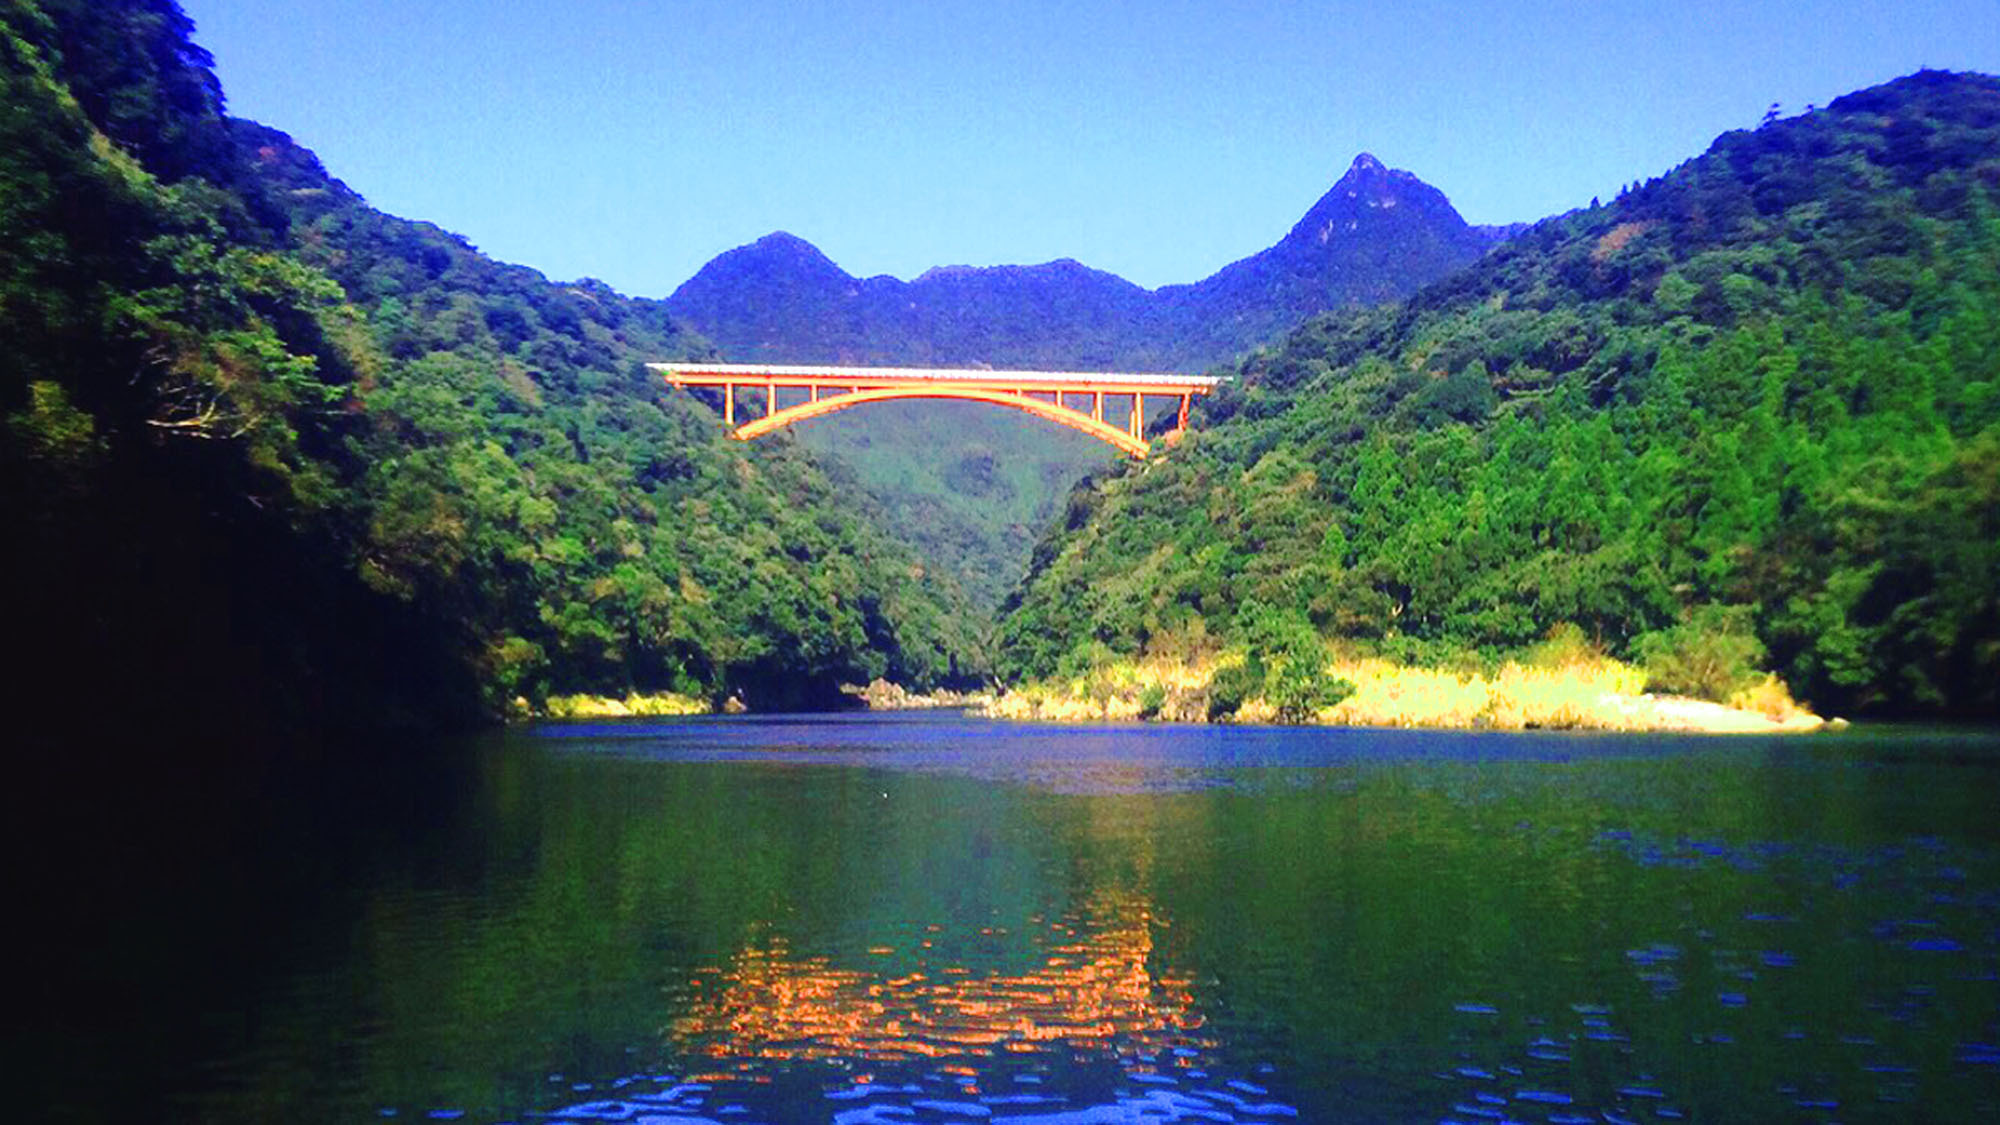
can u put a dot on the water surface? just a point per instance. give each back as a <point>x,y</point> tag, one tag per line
<point>929,919</point>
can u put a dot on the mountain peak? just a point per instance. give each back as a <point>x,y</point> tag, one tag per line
<point>1368,173</point>
<point>779,253</point>
<point>784,242</point>
<point>1374,236</point>
<point>1369,195</point>
<point>738,281</point>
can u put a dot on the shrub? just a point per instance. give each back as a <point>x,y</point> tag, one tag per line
<point>1151,699</point>
<point>1233,685</point>
<point>1712,655</point>
<point>1768,697</point>
<point>1301,689</point>
<point>1464,397</point>
<point>1564,646</point>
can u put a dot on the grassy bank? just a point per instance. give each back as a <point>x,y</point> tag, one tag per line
<point>613,707</point>
<point>1578,692</point>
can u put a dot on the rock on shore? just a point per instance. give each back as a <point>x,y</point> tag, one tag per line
<point>881,695</point>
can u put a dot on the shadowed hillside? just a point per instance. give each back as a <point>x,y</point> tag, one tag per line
<point>270,452</point>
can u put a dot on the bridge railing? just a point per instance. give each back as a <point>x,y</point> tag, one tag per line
<point>1044,393</point>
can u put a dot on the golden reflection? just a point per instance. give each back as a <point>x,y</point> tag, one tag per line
<point>1094,991</point>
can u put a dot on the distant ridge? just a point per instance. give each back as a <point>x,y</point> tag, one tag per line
<point>1377,235</point>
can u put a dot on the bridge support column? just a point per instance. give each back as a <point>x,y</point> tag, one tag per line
<point>1182,424</point>
<point>1097,406</point>
<point>729,405</point>
<point>770,399</point>
<point>1138,415</point>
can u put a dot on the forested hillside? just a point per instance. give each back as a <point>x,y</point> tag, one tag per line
<point>268,451</point>
<point>974,504</point>
<point>970,487</point>
<point>1746,414</point>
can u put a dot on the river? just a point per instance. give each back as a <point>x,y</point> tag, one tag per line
<point>928,918</point>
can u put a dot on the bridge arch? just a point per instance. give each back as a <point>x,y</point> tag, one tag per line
<point>1044,394</point>
<point>1062,415</point>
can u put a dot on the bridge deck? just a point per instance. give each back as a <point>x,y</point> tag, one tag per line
<point>802,375</point>
<point>829,388</point>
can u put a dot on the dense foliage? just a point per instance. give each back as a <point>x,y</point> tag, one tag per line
<point>1750,409</point>
<point>534,471</point>
<point>967,485</point>
<point>269,450</point>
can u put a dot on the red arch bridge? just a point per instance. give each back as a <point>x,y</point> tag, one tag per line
<point>1077,399</point>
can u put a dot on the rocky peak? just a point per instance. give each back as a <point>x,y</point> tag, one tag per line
<point>1371,192</point>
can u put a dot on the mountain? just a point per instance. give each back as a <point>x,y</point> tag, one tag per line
<point>1376,235</point>
<point>779,300</point>
<point>1742,418</point>
<point>272,454</point>
<point>974,505</point>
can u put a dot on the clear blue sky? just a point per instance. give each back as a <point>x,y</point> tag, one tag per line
<point>632,141</point>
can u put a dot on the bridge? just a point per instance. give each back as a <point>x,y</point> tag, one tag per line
<point>1054,395</point>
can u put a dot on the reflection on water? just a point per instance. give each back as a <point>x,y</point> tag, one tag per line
<point>938,920</point>
<point>1094,991</point>
<point>922,1037</point>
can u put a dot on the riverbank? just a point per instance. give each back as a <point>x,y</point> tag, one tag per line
<point>614,707</point>
<point>881,695</point>
<point>1600,695</point>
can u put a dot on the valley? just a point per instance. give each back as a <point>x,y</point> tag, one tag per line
<point>1736,423</point>
<point>1419,671</point>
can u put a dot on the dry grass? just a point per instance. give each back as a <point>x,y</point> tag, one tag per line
<point>1769,698</point>
<point>1116,692</point>
<point>1391,695</point>
<point>1574,696</point>
<point>1617,238</point>
<point>611,707</point>
<point>1579,694</point>
<point>1577,691</point>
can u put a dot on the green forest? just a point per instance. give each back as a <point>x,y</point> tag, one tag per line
<point>1746,415</point>
<point>269,451</point>
<point>272,456</point>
